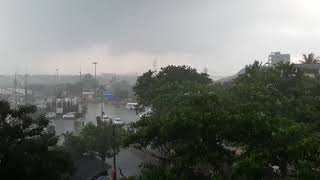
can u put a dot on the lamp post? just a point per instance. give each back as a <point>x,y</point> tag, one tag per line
<point>95,70</point>
<point>57,74</point>
<point>114,173</point>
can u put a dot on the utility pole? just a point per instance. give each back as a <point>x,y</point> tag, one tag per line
<point>95,70</point>
<point>26,89</point>
<point>57,74</point>
<point>80,73</point>
<point>15,88</point>
<point>57,77</point>
<point>81,97</point>
<point>101,101</point>
<point>114,175</point>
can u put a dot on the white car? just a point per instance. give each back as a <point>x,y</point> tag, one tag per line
<point>131,106</point>
<point>105,118</point>
<point>118,121</point>
<point>70,115</point>
<point>50,115</point>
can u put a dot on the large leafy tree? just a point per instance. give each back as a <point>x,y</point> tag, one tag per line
<point>262,125</point>
<point>276,123</point>
<point>151,84</point>
<point>94,140</point>
<point>27,151</point>
<point>182,126</point>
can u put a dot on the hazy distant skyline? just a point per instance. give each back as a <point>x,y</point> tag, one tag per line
<point>126,36</point>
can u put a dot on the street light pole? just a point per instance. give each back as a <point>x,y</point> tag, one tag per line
<point>101,101</point>
<point>57,74</point>
<point>114,175</point>
<point>26,89</point>
<point>95,70</point>
<point>57,77</point>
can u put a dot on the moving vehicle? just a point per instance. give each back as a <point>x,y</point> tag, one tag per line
<point>118,121</point>
<point>70,115</point>
<point>50,115</point>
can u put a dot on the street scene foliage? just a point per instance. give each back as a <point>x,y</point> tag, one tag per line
<point>263,124</point>
<point>27,150</point>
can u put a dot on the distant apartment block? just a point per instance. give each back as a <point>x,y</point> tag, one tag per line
<point>277,57</point>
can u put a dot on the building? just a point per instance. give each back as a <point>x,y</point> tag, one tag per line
<point>277,57</point>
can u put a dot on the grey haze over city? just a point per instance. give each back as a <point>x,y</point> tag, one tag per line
<point>126,36</point>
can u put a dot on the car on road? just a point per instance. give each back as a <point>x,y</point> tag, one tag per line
<point>105,118</point>
<point>117,121</point>
<point>131,105</point>
<point>147,112</point>
<point>70,115</point>
<point>50,115</point>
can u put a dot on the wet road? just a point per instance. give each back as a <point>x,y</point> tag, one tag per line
<point>94,110</point>
<point>128,159</point>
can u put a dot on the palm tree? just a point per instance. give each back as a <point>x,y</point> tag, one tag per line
<point>310,59</point>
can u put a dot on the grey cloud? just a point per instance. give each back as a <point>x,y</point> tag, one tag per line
<point>229,34</point>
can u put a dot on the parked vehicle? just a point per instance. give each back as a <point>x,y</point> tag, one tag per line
<point>131,106</point>
<point>70,115</point>
<point>118,121</point>
<point>50,115</point>
<point>147,112</point>
<point>105,118</point>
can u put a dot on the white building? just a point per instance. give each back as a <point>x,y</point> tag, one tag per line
<point>277,57</point>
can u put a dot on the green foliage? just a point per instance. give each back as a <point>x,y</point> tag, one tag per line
<point>281,107</point>
<point>151,85</point>
<point>94,140</point>
<point>264,124</point>
<point>27,151</point>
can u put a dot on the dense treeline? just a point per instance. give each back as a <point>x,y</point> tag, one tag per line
<point>262,125</point>
<point>27,149</point>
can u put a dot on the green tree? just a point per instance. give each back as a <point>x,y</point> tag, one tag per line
<point>27,151</point>
<point>265,119</point>
<point>182,125</point>
<point>275,124</point>
<point>150,83</point>
<point>94,140</point>
<point>309,59</point>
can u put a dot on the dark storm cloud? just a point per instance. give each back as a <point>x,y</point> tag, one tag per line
<point>223,35</point>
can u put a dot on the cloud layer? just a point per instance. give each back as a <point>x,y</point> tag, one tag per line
<point>126,36</point>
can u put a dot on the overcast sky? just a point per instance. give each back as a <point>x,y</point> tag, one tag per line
<point>125,36</point>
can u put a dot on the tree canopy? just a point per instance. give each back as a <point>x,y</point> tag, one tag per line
<point>264,124</point>
<point>150,84</point>
<point>94,140</point>
<point>27,151</point>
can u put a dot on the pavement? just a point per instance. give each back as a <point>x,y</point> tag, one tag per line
<point>130,159</point>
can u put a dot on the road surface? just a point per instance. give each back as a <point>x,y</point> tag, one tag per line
<point>129,159</point>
